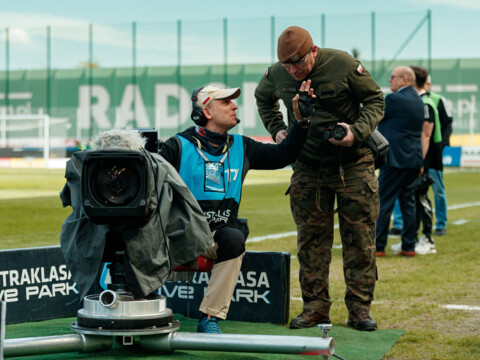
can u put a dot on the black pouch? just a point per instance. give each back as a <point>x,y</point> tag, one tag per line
<point>379,146</point>
<point>422,184</point>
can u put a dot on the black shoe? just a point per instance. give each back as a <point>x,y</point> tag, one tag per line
<point>309,318</point>
<point>440,232</point>
<point>395,231</point>
<point>360,319</point>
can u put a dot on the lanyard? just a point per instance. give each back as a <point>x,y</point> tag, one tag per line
<point>214,173</point>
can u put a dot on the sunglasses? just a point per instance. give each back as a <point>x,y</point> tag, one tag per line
<point>299,63</point>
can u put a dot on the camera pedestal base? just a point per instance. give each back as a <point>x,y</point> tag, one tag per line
<point>148,324</point>
<point>121,314</point>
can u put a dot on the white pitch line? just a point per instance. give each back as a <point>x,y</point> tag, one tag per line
<point>460,222</point>
<point>275,236</point>
<point>462,206</point>
<point>272,236</point>
<point>462,307</point>
<point>294,233</point>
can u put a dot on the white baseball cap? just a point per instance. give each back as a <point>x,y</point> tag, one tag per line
<point>210,93</point>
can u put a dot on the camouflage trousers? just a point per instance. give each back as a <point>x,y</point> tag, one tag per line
<point>312,198</point>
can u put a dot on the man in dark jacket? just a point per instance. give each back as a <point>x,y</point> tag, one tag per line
<point>214,164</point>
<point>435,167</point>
<point>402,126</point>
<point>329,168</point>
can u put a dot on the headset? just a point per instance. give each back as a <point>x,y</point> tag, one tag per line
<point>197,112</point>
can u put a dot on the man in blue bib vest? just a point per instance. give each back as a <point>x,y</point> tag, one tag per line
<point>213,164</point>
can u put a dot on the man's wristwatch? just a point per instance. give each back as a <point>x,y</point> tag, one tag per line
<point>304,123</point>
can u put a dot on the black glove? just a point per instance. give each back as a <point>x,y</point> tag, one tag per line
<point>306,104</point>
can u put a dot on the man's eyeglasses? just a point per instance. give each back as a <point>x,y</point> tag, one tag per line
<point>394,76</point>
<point>299,63</point>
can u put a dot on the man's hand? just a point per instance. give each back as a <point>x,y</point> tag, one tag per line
<point>303,105</point>
<point>304,102</point>
<point>347,141</point>
<point>282,134</point>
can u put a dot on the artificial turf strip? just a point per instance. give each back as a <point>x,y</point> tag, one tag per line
<point>349,344</point>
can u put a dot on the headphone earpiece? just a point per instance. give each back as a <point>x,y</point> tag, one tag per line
<point>197,112</point>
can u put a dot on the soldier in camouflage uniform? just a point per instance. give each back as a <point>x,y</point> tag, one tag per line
<point>327,169</point>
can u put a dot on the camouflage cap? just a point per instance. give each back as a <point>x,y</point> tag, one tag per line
<point>293,44</point>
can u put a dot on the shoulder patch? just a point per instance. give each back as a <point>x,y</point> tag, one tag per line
<point>266,72</point>
<point>360,68</point>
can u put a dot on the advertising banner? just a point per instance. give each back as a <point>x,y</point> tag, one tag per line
<point>470,156</point>
<point>36,285</point>
<point>261,295</point>
<point>452,155</point>
<point>84,102</point>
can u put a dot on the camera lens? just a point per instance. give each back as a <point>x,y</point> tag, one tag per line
<point>338,132</point>
<point>115,182</point>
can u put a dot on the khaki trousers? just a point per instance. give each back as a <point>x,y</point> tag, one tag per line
<point>218,295</point>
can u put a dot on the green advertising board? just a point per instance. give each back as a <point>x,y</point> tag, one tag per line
<point>83,102</point>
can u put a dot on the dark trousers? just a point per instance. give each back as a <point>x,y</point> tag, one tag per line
<point>231,243</point>
<point>397,183</point>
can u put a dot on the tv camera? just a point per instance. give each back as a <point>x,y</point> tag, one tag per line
<point>115,190</point>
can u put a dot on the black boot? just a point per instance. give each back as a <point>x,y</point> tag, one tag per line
<point>360,319</point>
<point>309,318</point>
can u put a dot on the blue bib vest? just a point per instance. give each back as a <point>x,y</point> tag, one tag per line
<point>215,181</point>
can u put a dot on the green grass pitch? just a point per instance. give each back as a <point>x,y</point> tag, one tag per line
<point>411,294</point>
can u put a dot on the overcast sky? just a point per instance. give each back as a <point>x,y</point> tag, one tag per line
<point>455,23</point>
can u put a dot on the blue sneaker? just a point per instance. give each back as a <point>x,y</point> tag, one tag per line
<point>209,325</point>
